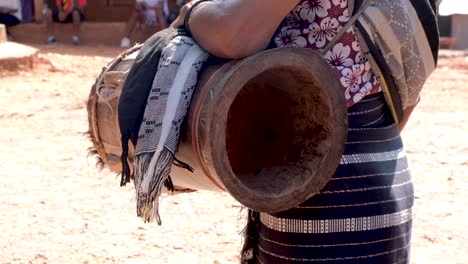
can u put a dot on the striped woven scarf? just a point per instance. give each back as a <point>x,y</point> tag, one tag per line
<point>167,105</point>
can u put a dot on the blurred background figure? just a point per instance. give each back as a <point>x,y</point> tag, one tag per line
<point>38,10</point>
<point>10,13</point>
<point>30,10</point>
<point>27,11</point>
<point>67,11</point>
<point>174,12</point>
<point>148,13</point>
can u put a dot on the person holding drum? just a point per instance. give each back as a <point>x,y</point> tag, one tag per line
<point>382,51</point>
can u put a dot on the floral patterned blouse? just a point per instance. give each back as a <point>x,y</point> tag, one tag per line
<point>313,24</point>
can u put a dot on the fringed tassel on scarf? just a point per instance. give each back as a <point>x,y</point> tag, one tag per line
<point>182,164</point>
<point>150,177</point>
<point>251,236</point>
<point>126,174</point>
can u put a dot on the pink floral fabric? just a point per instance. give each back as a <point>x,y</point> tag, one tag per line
<point>313,24</point>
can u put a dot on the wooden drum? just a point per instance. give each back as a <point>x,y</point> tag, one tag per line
<point>269,129</point>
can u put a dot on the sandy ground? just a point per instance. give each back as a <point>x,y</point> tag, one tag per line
<point>56,207</point>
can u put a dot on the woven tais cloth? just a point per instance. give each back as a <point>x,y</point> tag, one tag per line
<point>363,215</point>
<point>162,110</point>
<point>159,134</point>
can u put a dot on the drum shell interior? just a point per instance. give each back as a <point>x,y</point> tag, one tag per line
<point>272,128</point>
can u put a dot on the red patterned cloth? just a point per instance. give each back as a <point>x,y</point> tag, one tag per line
<point>69,5</point>
<point>313,24</point>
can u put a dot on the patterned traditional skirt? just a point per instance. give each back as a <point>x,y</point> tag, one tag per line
<point>363,215</point>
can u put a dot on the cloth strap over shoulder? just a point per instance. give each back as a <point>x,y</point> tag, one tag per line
<point>406,53</point>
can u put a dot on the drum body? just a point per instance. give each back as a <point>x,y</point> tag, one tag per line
<point>269,129</point>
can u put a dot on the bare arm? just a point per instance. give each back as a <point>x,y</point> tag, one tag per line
<point>237,28</point>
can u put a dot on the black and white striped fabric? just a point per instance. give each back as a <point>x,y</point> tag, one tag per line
<point>364,213</point>
<point>168,103</point>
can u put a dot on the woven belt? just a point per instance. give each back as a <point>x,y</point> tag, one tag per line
<point>324,226</point>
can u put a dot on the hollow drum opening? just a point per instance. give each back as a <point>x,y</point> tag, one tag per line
<point>276,131</point>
